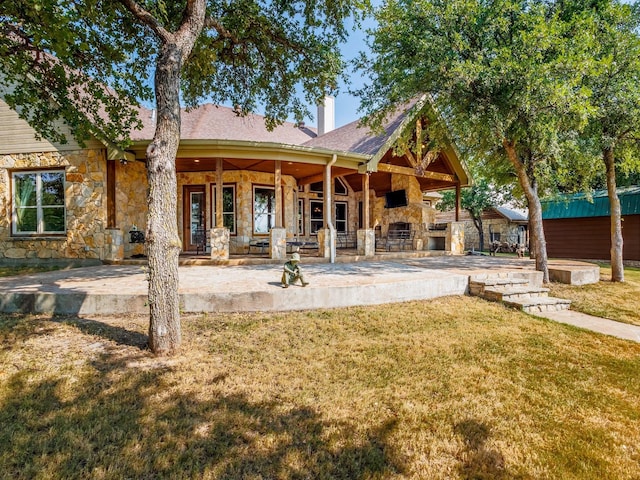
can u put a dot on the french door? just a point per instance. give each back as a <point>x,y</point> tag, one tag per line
<point>195,208</point>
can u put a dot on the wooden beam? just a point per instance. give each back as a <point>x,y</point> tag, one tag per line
<point>366,221</point>
<point>111,194</point>
<point>458,197</point>
<point>418,140</point>
<point>219,197</point>
<point>278,188</point>
<point>317,178</point>
<point>411,158</point>
<point>388,168</point>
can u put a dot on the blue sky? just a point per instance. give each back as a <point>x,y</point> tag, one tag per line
<point>347,105</point>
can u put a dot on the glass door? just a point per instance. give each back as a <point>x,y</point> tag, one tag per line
<point>194,217</point>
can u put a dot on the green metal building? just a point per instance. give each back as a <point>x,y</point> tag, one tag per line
<point>578,225</point>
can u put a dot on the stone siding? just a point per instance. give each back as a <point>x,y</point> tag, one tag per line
<point>85,197</point>
<point>87,236</point>
<point>416,212</point>
<point>508,233</point>
<point>131,203</point>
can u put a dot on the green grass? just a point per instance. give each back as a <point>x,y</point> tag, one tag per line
<point>8,271</point>
<point>617,301</point>
<point>444,389</point>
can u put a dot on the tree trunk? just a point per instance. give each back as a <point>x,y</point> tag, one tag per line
<point>617,262</point>
<point>477,222</point>
<point>163,241</point>
<point>535,211</point>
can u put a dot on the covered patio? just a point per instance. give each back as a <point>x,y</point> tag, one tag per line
<point>341,192</point>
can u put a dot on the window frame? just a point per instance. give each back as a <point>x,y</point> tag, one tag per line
<point>313,220</point>
<point>300,217</point>
<point>271,213</point>
<point>40,231</point>
<point>344,223</point>
<point>233,213</point>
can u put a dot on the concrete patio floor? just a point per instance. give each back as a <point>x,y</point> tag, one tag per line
<point>119,289</point>
<point>122,289</point>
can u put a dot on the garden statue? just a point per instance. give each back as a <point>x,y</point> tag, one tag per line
<point>293,272</point>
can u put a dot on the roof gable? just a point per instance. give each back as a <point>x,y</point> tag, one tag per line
<point>357,138</point>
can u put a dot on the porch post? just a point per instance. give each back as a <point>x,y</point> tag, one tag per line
<point>219,235</point>
<point>218,200</point>
<point>327,241</point>
<point>458,201</point>
<point>278,234</point>
<point>366,236</point>
<point>366,220</point>
<point>278,189</point>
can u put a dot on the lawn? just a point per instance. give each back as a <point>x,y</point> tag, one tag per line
<point>444,389</point>
<point>617,301</point>
<point>7,271</point>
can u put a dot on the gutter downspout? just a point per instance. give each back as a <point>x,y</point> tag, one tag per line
<point>328,209</point>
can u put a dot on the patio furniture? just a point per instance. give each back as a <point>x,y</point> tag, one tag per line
<point>261,244</point>
<point>200,240</point>
<point>346,240</point>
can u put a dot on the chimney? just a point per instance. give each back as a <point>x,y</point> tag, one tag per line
<point>326,115</point>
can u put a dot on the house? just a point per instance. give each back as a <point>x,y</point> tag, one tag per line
<point>504,225</point>
<point>579,225</point>
<point>239,185</point>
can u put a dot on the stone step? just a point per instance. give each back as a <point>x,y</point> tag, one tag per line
<point>540,304</point>
<point>506,293</point>
<point>477,287</point>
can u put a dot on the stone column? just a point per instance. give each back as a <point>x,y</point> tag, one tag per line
<point>219,239</point>
<point>454,242</point>
<point>324,243</point>
<point>113,245</point>
<point>278,243</point>
<point>366,242</point>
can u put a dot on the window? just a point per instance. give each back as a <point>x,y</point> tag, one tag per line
<point>264,209</point>
<point>339,188</point>
<point>317,187</point>
<point>301,217</point>
<point>341,217</point>
<point>317,216</point>
<point>38,202</point>
<point>228,207</point>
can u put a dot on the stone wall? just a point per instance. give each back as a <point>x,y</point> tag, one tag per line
<point>508,233</point>
<point>416,212</point>
<point>85,197</point>
<point>244,182</point>
<point>131,203</point>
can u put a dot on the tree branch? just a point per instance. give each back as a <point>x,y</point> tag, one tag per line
<point>222,31</point>
<point>148,19</point>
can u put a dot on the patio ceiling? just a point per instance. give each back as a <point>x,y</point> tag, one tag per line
<point>304,173</point>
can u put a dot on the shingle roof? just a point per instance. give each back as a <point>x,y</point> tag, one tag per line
<point>356,138</point>
<point>512,215</point>
<point>214,122</point>
<point>579,205</point>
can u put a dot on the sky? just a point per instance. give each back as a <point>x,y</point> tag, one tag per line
<point>346,105</point>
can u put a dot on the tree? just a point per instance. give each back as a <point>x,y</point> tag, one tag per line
<point>506,76</point>
<point>476,199</point>
<point>615,129</point>
<point>76,60</point>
